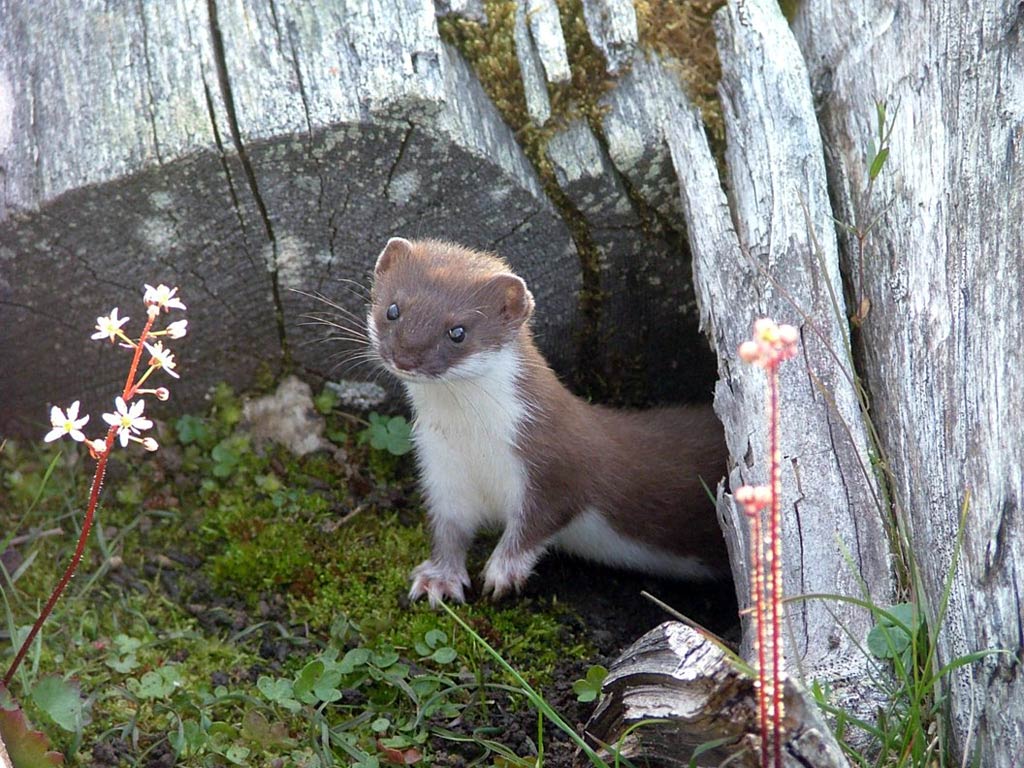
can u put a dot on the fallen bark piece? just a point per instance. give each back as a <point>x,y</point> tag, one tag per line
<point>691,697</point>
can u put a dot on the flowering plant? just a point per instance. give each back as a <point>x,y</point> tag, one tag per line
<point>770,346</point>
<point>125,424</point>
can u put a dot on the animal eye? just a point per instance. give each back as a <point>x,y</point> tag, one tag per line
<point>393,312</point>
<point>457,334</point>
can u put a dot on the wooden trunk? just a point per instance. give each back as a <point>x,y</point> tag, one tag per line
<point>942,345</point>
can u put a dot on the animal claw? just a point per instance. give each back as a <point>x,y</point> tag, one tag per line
<point>438,583</point>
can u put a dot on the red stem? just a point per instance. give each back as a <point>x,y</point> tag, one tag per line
<point>94,496</point>
<point>775,566</point>
<point>760,634</point>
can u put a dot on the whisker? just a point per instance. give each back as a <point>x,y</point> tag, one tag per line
<point>341,324</point>
<point>346,367</point>
<point>339,332</point>
<point>342,312</point>
<point>350,344</point>
<point>349,282</point>
<point>317,296</point>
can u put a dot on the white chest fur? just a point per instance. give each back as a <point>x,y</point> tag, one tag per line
<point>465,435</point>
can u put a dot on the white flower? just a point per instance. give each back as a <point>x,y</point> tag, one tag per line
<point>162,358</point>
<point>108,327</point>
<point>177,329</point>
<point>99,445</point>
<point>66,423</point>
<point>129,421</point>
<point>161,297</point>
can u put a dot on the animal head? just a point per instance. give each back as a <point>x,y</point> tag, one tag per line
<point>441,311</point>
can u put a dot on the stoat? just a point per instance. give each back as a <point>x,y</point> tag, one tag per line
<point>500,441</point>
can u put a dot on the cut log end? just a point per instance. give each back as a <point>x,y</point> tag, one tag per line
<point>674,696</point>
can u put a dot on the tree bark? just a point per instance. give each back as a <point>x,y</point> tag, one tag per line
<point>770,250</point>
<point>238,150</point>
<point>941,343</point>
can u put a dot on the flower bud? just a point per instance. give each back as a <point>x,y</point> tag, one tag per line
<point>749,351</point>
<point>150,444</point>
<point>162,393</point>
<point>762,495</point>
<point>753,497</point>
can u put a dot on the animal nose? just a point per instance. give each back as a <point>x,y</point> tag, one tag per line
<point>405,361</point>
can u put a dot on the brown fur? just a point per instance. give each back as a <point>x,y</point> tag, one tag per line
<point>641,470</point>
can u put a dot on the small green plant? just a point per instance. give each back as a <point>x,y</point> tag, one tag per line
<point>326,401</point>
<point>388,433</point>
<point>26,747</point>
<point>228,455</point>
<point>895,635</point>
<point>62,702</point>
<point>867,217</point>
<point>193,430</point>
<point>589,688</point>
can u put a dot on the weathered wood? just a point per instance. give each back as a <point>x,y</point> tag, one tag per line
<point>612,27</point>
<point>770,250</point>
<point>645,335</point>
<point>678,692</point>
<point>941,343</point>
<point>642,337</point>
<point>238,149</point>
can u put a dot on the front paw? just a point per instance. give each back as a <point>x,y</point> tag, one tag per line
<point>438,582</point>
<point>503,575</point>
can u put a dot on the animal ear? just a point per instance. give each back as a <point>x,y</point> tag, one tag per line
<point>516,299</point>
<point>397,247</point>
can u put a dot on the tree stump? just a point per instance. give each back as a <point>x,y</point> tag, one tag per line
<point>239,150</point>
<point>941,342</point>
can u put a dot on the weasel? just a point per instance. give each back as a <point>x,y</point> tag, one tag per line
<point>500,441</point>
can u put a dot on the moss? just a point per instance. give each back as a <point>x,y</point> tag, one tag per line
<point>682,29</point>
<point>265,556</point>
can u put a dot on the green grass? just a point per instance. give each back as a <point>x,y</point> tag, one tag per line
<point>238,605</point>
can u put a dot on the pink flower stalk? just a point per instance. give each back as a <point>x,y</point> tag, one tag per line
<point>126,423</point>
<point>770,346</point>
